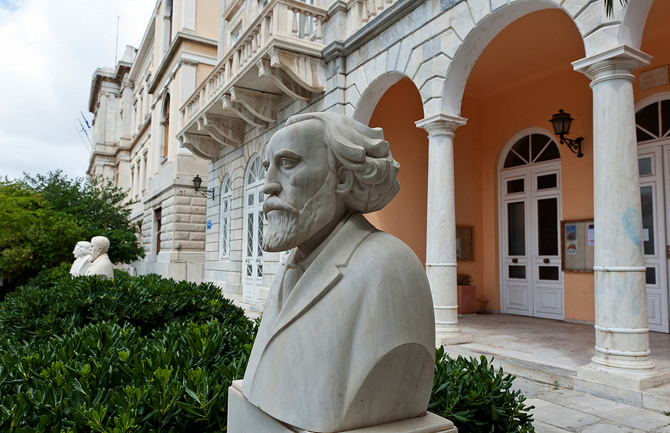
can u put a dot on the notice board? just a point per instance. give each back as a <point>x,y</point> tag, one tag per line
<point>577,241</point>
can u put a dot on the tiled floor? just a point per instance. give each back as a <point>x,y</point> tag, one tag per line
<point>559,349</point>
<point>560,344</point>
<point>560,410</point>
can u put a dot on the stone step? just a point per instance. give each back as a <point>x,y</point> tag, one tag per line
<point>538,372</point>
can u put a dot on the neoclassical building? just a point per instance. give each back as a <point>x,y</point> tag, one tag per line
<point>465,90</point>
<point>134,134</point>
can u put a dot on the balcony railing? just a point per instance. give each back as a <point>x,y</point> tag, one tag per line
<point>361,12</point>
<point>291,25</point>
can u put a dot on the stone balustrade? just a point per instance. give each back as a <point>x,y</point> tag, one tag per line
<point>361,12</point>
<point>288,24</point>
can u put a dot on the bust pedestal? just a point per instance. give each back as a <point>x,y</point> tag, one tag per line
<point>244,417</point>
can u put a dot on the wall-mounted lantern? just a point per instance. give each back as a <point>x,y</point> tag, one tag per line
<point>562,122</point>
<point>197,182</point>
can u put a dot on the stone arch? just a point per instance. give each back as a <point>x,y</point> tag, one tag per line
<point>633,19</point>
<point>373,93</point>
<point>477,30</point>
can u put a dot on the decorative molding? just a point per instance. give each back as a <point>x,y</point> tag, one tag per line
<point>201,145</point>
<point>226,131</point>
<point>262,105</point>
<point>369,31</point>
<point>283,81</point>
<point>619,62</point>
<point>308,71</point>
<point>441,123</point>
<point>239,110</point>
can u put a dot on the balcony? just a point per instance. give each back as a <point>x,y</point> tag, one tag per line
<point>279,52</point>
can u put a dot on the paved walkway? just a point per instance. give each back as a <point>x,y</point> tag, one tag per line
<point>545,355</point>
<point>559,410</point>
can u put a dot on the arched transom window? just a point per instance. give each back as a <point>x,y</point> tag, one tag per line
<point>226,199</point>
<point>653,121</point>
<point>531,149</point>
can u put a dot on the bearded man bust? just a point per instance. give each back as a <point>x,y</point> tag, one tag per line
<point>347,335</point>
<point>82,258</point>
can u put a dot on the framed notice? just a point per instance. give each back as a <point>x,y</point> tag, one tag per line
<point>464,249</point>
<point>577,241</point>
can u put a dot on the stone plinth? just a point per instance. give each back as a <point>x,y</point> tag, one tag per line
<point>243,417</point>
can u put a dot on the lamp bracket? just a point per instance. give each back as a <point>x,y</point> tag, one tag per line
<point>574,145</point>
<point>209,193</point>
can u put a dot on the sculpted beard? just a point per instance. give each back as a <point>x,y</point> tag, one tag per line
<point>288,228</point>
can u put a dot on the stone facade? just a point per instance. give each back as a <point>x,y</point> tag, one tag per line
<point>281,58</point>
<point>135,127</point>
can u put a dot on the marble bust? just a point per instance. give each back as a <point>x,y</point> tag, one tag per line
<point>347,336</point>
<point>82,258</point>
<point>100,263</point>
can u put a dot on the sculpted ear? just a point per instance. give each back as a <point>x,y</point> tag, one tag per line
<point>345,180</point>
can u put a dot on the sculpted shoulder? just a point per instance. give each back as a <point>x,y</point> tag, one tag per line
<point>384,253</point>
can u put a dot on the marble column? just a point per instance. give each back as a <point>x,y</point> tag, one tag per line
<point>441,227</point>
<point>622,333</point>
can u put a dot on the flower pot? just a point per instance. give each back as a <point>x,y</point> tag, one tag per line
<point>466,299</point>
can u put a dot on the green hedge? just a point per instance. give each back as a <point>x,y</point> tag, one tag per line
<point>56,303</point>
<point>151,355</point>
<point>476,398</point>
<point>109,378</point>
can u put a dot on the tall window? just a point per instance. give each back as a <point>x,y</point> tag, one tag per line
<point>166,125</point>
<point>132,181</point>
<point>144,173</point>
<point>168,14</point>
<point>253,230</point>
<point>139,177</point>
<point>225,217</point>
<point>157,229</point>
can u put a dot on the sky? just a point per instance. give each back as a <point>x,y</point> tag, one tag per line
<point>49,50</point>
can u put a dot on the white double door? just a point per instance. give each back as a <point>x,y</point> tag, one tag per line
<point>532,279</point>
<point>654,168</point>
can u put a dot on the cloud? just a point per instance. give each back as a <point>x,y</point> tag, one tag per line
<point>50,50</point>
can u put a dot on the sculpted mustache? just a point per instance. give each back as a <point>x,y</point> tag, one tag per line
<point>275,203</point>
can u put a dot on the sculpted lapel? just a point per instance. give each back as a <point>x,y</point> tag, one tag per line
<point>324,272</point>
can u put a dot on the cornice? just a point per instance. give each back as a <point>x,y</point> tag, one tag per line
<point>369,31</point>
<point>173,50</point>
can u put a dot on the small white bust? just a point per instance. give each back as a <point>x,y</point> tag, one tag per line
<point>82,258</point>
<point>100,263</point>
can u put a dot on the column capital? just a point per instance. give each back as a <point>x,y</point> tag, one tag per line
<point>441,123</point>
<point>619,62</point>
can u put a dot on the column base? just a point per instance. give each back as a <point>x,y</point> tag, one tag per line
<point>450,335</point>
<point>244,417</point>
<point>631,379</point>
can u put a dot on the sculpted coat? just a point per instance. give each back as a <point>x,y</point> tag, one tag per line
<point>101,266</point>
<point>80,265</point>
<point>322,362</point>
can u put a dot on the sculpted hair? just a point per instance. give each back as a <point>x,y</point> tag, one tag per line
<point>85,246</point>
<point>364,152</point>
<point>101,242</point>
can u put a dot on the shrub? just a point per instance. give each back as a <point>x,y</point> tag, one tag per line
<point>463,279</point>
<point>109,378</point>
<point>61,304</point>
<point>476,398</point>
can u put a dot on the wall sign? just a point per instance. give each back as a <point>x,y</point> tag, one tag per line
<point>577,240</point>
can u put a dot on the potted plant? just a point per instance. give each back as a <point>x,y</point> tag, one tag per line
<point>466,293</point>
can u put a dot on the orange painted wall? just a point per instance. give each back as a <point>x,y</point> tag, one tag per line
<point>522,78</point>
<point>655,43</point>
<point>405,216</point>
<point>516,85</point>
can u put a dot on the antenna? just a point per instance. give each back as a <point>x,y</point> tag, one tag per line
<point>116,52</point>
